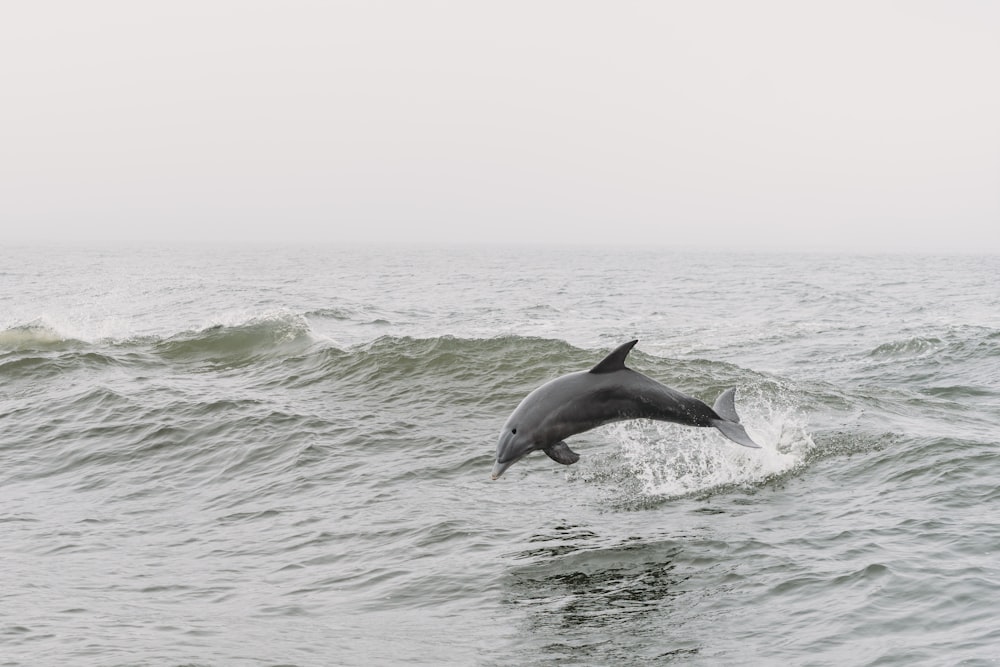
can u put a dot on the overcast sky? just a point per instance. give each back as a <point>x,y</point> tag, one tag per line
<point>746,124</point>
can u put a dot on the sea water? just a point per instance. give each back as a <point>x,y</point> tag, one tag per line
<point>281,455</point>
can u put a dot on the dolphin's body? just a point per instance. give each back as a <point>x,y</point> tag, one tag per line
<point>608,392</point>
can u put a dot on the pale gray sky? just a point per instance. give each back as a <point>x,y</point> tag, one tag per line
<point>767,125</point>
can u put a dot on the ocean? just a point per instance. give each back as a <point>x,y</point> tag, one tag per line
<point>249,455</point>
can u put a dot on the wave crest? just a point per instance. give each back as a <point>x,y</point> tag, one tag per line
<point>910,347</point>
<point>36,335</point>
<point>274,334</point>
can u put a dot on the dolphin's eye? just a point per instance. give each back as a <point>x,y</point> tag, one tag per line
<point>514,431</point>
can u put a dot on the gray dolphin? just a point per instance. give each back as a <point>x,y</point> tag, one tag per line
<point>608,392</point>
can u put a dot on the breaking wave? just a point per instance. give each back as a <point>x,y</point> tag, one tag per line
<point>36,335</point>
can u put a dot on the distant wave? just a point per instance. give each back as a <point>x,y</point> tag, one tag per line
<point>36,335</point>
<point>497,368</point>
<point>954,344</point>
<point>276,334</point>
<point>333,313</point>
<point>941,365</point>
<point>909,347</point>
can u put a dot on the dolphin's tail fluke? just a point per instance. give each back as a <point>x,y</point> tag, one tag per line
<point>725,407</point>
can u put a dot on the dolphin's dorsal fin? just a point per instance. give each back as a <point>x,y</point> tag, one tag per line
<point>616,360</point>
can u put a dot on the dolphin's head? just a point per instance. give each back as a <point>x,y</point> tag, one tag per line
<point>514,444</point>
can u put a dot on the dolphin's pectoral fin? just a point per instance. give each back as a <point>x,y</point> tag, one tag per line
<point>561,453</point>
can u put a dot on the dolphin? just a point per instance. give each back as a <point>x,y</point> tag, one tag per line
<point>608,392</point>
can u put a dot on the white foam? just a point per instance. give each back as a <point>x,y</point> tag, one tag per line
<point>669,460</point>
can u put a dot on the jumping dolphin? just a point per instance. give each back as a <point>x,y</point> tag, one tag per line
<point>608,392</point>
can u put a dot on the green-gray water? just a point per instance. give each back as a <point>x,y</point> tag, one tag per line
<point>281,456</point>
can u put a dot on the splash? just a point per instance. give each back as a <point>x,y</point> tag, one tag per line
<point>670,461</point>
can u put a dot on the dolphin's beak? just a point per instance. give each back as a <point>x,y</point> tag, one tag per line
<point>499,468</point>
